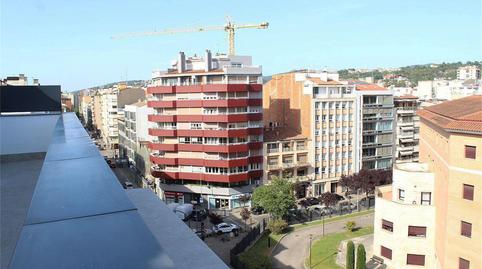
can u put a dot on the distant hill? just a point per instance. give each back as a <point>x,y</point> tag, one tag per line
<point>413,73</point>
<point>134,83</point>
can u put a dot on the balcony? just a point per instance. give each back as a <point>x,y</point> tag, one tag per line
<point>196,87</point>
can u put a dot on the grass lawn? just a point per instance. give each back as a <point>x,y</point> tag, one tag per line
<point>323,251</point>
<point>332,219</point>
<point>258,256</point>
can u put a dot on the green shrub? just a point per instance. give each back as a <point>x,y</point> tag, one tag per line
<point>361,257</point>
<point>350,226</point>
<point>350,255</point>
<point>277,226</point>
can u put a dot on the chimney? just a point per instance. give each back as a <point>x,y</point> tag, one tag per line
<point>208,61</point>
<point>181,62</point>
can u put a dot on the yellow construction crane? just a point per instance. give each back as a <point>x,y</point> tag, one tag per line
<point>229,27</point>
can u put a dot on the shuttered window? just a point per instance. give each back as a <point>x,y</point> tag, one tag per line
<point>414,259</point>
<point>470,152</point>
<point>466,229</point>
<point>386,252</point>
<point>464,264</point>
<point>417,231</point>
<point>387,225</point>
<point>468,192</point>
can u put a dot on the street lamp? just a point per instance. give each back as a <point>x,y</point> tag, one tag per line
<point>311,237</point>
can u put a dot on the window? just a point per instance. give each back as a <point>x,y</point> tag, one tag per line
<point>387,225</point>
<point>464,264</point>
<point>401,194</point>
<point>417,231</point>
<point>414,259</point>
<point>468,192</point>
<point>470,152</point>
<point>196,126</point>
<point>386,252</point>
<point>426,198</point>
<point>466,229</point>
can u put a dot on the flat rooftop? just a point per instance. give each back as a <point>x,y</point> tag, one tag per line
<point>65,209</point>
<point>412,167</point>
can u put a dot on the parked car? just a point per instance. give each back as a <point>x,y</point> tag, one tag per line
<point>225,228</point>
<point>112,165</point>
<point>199,214</point>
<point>312,201</point>
<point>128,185</point>
<point>257,210</point>
<point>345,205</point>
<point>322,210</point>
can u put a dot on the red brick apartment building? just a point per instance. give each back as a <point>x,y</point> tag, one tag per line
<point>207,129</point>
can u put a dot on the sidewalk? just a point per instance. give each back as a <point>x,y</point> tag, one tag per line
<point>294,247</point>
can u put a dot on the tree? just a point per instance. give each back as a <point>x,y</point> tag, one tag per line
<point>277,226</point>
<point>245,215</point>
<point>328,199</point>
<point>350,255</point>
<point>276,198</point>
<point>244,199</point>
<point>366,180</point>
<point>361,257</point>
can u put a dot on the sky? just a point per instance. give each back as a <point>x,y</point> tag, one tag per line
<point>68,42</point>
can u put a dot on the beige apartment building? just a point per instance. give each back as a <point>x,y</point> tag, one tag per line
<point>404,223</point>
<point>319,107</point>
<point>440,197</point>
<point>451,144</point>
<point>285,155</point>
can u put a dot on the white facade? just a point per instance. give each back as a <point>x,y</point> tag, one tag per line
<point>404,223</point>
<point>468,72</point>
<point>109,114</point>
<point>447,89</point>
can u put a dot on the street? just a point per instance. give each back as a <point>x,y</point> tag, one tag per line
<point>293,249</point>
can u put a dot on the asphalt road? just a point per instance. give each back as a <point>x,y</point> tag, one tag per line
<point>293,249</point>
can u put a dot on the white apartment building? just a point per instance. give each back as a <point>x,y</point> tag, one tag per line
<point>407,128</point>
<point>442,89</point>
<point>468,72</point>
<point>109,115</point>
<point>404,224</point>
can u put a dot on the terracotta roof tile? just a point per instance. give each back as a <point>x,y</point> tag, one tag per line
<point>369,87</point>
<point>318,81</point>
<point>461,115</point>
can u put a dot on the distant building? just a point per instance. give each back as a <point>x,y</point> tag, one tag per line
<point>112,103</point>
<point>442,89</point>
<point>286,155</point>
<point>20,80</point>
<point>134,138</point>
<point>375,124</point>
<point>317,108</point>
<point>407,128</point>
<point>468,72</point>
<point>67,105</point>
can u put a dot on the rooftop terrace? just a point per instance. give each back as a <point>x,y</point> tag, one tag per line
<point>64,208</point>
